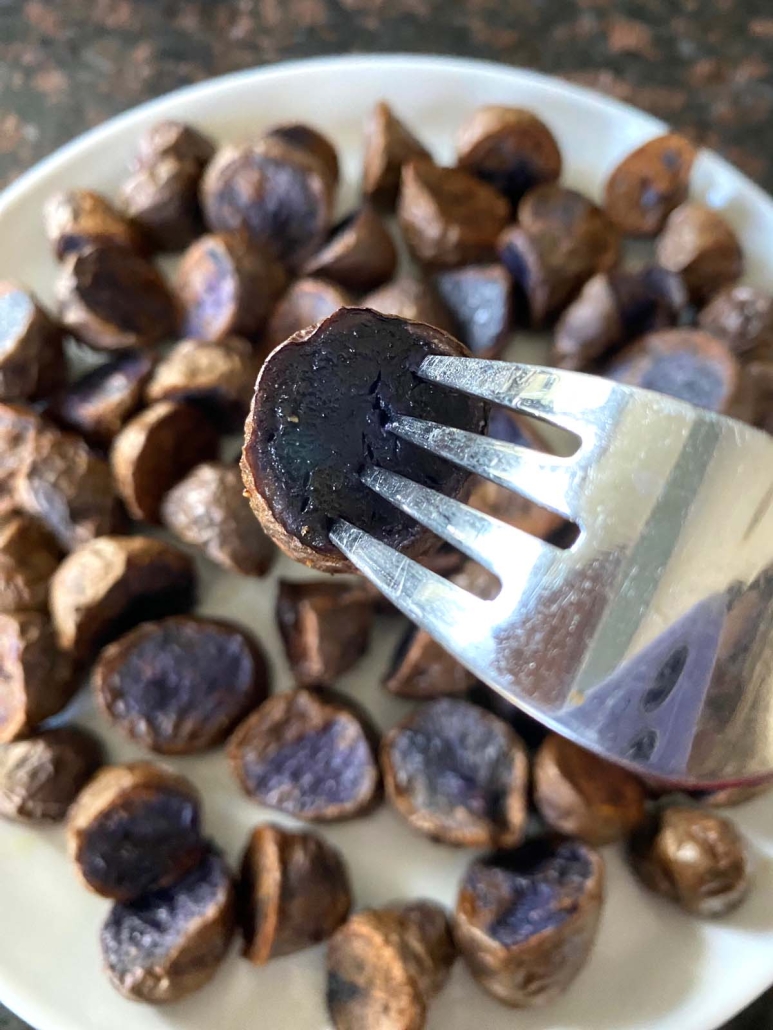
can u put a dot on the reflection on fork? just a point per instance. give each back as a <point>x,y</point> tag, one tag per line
<point>650,640</point>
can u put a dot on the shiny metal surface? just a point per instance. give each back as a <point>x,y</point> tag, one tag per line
<point>650,640</point>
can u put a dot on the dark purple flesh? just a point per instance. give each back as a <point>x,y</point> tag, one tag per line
<point>111,385</point>
<point>181,681</point>
<point>533,888</point>
<point>214,302</point>
<point>683,375</point>
<point>323,421</point>
<point>313,773</point>
<point>454,756</point>
<point>133,848</point>
<point>145,934</point>
<point>512,174</point>
<point>479,300</point>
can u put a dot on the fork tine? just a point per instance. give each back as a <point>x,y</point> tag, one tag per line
<point>568,399</point>
<point>545,479</point>
<point>479,536</point>
<point>429,600</point>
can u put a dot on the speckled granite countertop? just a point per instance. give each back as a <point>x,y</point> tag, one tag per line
<point>706,66</point>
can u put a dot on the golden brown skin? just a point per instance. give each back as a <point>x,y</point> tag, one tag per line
<point>113,299</point>
<point>155,450</point>
<point>163,200</point>
<point>427,670</point>
<point>385,965</point>
<point>99,404</point>
<point>510,148</point>
<point>169,138</point>
<point>699,244</point>
<point>40,777</point>
<point>29,555</point>
<point>99,586</point>
<point>649,183</point>
<point>305,303</point>
<point>359,256</point>
<point>538,968</point>
<point>293,893</point>
<point>126,790</point>
<point>388,146</point>
<point>18,425</point>
<point>208,509</point>
<point>325,628</point>
<point>305,137</point>
<point>37,677</point>
<point>411,298</point>
<point>449,217</point>
<point>742,317</point>
<point>217,377</point>
<point>63,483</point>
<point>76,219</point>
<point>694,857</point>
<point>581,795</point>
<point>32,363</point>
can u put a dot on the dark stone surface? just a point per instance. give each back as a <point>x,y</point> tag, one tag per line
<point>706,66</point>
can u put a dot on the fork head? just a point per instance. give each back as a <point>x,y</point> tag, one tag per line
<point>650,640</point>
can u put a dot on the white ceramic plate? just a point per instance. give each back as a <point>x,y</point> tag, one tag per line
<point>653,967</point>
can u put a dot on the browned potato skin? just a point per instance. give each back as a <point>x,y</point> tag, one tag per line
<point>218,377</point>
<point>649,183</point>
<point>497,140</point>
<point>97,584</point>
<point>18,425</point>
<point>29,555</point>
<point>115,786</point>
<point>325,628</point>
<point>305,303</point>
<point>411,298</point>
<point>77,219</point>
<point>155,450</point>
<point>32,363</point>
<point>448,217</point>
<point>701,246</point>
<point>694,857</point>
<point>360,256</point>
<point>293,893</point>
<point>37,677</point>
<point>742,317</point>
<point>581,795</point>
<point>386,965</point>
<point>305,137</point>
<point>539,969</point>
<point>163,200</point>
<point>388,146</point>
<point>208,509</point>
<point>427,670</point>
<point>60,481</point>
<point>40,777</point>
<point>170,138</point>
<point>99,404</point>
<point>112,299</point>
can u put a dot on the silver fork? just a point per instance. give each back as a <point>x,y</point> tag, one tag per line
<point>650,640</point>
